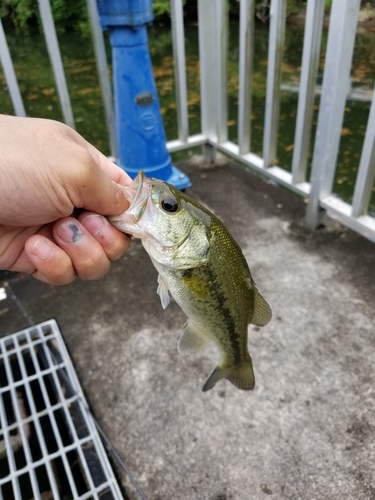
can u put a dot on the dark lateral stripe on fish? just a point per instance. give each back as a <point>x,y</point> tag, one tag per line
<point>231,327</point>
<point>222,310</point>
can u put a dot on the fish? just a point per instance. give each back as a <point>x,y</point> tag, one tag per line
<point>203,268</point>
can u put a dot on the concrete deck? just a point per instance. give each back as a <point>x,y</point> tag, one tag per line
<point>307,431</point>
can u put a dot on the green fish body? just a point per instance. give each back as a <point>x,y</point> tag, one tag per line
<point>203,268</point>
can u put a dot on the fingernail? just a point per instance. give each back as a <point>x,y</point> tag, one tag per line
<point>69,232</point>
<point>41,249</point>
<point>94,224</point>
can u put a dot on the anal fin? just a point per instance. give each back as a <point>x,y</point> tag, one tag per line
<point>191,340</point>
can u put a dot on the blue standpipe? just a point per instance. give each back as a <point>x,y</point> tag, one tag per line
<point>140,135</point>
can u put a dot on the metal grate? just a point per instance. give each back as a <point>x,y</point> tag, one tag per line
<point>49,445</point>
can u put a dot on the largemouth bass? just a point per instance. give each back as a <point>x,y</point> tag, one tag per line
<point>203,268</point>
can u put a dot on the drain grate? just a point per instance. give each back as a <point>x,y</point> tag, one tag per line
<point>49,446</point>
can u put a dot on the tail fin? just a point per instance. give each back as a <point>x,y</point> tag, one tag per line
<point>241,376</point>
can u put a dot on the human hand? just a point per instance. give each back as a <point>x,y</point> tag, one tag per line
<point>47,172</point>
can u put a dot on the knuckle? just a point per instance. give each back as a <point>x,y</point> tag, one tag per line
<point>62,280</point>
<point>63,273</point>
<point>93,266</point>
<point>119,247</point>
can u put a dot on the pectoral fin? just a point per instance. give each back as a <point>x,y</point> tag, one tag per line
<point>162,291</point>
<point>191,340</point>
<point>262,313</point>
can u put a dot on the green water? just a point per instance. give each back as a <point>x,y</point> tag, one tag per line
<point>38,90</point>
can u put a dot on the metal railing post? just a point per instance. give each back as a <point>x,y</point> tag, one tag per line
<point>10,75</point>
<point>55,58</point>
<point>213,53</point>
<point>102,66</point>
<point>245,75</point>
<point>222,69</point>
<point>178,31</point>
<point>310,63</point>
<point>275,53</point>
<point>341,37</point>
<point>366,171</point>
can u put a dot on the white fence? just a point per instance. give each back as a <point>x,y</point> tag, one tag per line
<point>213,54</point>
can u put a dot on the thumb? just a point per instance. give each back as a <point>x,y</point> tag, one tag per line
<point>102,195</point>
<point>96,191</point>
<point>100,187</point>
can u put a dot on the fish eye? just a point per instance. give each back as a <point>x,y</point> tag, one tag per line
<point>169,205</point>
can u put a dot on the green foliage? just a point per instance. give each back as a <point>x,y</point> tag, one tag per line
<point>69,15</point>
<point>327,5</point>
<point>18,12</point>
<point>161,7</point>
<point>293,6</point>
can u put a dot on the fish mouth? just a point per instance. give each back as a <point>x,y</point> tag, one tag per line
<point>137,194</point>
<point>134,189</point>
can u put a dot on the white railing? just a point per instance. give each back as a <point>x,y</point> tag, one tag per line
<point>213,54</point>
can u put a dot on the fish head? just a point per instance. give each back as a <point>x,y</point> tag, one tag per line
<point>173,230</point>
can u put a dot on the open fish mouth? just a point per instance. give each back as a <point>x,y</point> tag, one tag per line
<point>135,188</point>
<point>138,192</point>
